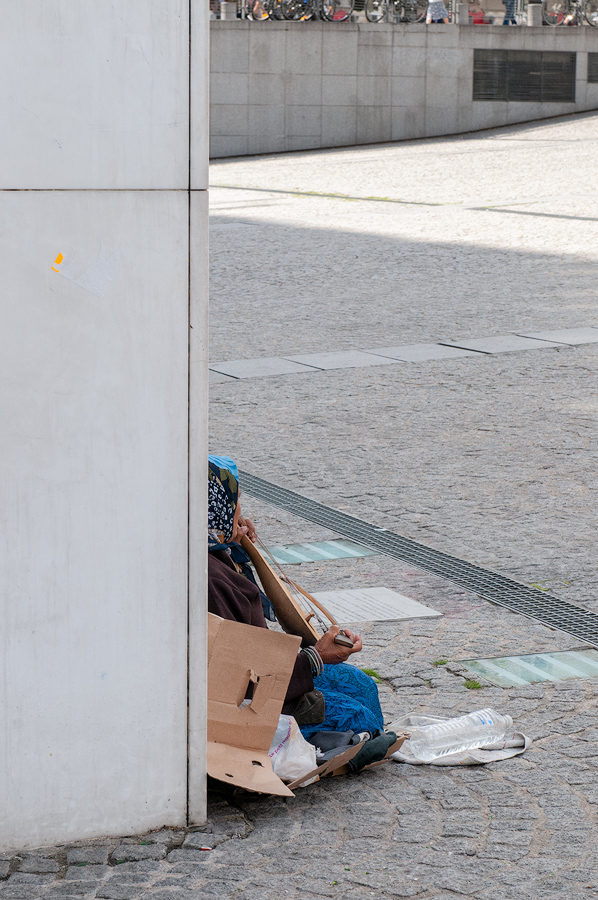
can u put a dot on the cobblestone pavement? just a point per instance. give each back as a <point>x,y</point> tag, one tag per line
<point>490,458</point>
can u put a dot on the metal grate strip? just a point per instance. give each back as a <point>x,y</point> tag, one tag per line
<point>545,608</point>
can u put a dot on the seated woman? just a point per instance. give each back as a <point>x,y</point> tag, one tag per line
<point>350,696</point>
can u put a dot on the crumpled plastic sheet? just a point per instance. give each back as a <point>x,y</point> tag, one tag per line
<point>513,744</point>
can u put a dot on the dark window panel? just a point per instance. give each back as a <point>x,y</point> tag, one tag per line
<point>530,76</point>
<point>489,74</point>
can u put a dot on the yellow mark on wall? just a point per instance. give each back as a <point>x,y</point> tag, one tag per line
<point>57,261</point>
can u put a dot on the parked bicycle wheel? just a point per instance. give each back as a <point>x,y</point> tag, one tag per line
<point>415,10</point>
<point>336,10</point>
<point>590,11</point>
<point>375,10</point>
<point>554,12</point>
<point>297,9</point>
<point>275,9</point>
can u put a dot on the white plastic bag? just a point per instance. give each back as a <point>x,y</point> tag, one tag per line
<point>290,754</point>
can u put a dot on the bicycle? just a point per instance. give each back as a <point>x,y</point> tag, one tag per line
<point>328,10</point>
<point>396,10</point>
<point>570,12</point>
<point>260,10</point>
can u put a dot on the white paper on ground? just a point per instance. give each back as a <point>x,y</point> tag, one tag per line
<point>372,605</point>
<point>513,744</point>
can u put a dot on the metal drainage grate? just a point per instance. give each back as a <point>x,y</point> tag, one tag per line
<point>519,598</point>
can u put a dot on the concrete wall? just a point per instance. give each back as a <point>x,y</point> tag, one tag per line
<point>302,85</point>
<point>95,369</point>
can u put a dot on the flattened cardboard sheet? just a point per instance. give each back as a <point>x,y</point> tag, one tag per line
<point>326,768</point>
<point>245,661</point>
<point>247,769</point>
<point>249,670</point>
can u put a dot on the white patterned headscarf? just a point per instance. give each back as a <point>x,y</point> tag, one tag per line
<point>223,497</point>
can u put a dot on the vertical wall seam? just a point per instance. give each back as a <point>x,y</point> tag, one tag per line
<point>187,800</point>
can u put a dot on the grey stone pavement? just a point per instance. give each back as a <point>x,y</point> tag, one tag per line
<point>489,458</point>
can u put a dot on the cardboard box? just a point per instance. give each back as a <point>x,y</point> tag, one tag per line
<point>249,670</point>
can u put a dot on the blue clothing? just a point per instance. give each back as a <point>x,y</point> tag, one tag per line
<point>225,462</point>
<point>351,698</point>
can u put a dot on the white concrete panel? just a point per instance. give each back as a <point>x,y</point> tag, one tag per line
<point>262,143</point>
<point>408,62</point>
<point>96,94</point>
<point>198,485</point>
<point>305,90</point>
<point>303,142</point>
<point>441,120</point>
<point>372,91</point>
<point>232,87</point>
<point>229,48</point>
<point>228,145</point>
<point>339,126</point>
<point>266,90</point>
<point>448,64</point>
<point>409,35</point>
<point>407,122</point>
<point>229,119</point>
<point>304,51</point>
<point>267,122</point>
<point>93,482</point>
<point>408,91</point>
<point>440,37</point>
<point>339,50</point>
<point>372,35</point>
<point>441,92</point>
<point>373,123</point>
<point>486,114</point>
<point>374,59</point>
<point>267,49</point>
<point>199,107</point>
<point>339,90</point>
<point>303,121</point>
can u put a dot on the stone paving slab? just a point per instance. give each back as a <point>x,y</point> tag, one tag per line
<point>255,368</point>
<point>422,352</point>
<point>219,378</point>
<point>342,359</point>
<point>571,336</point>
<point>502,343</point>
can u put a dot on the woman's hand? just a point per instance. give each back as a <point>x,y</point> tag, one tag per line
<point>332,653</point>
<point>242,527</point>
<point>248,524</point>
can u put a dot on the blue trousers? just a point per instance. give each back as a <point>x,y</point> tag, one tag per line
<point>351,698</point>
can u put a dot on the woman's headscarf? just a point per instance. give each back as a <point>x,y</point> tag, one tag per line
<point>223,496</point>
